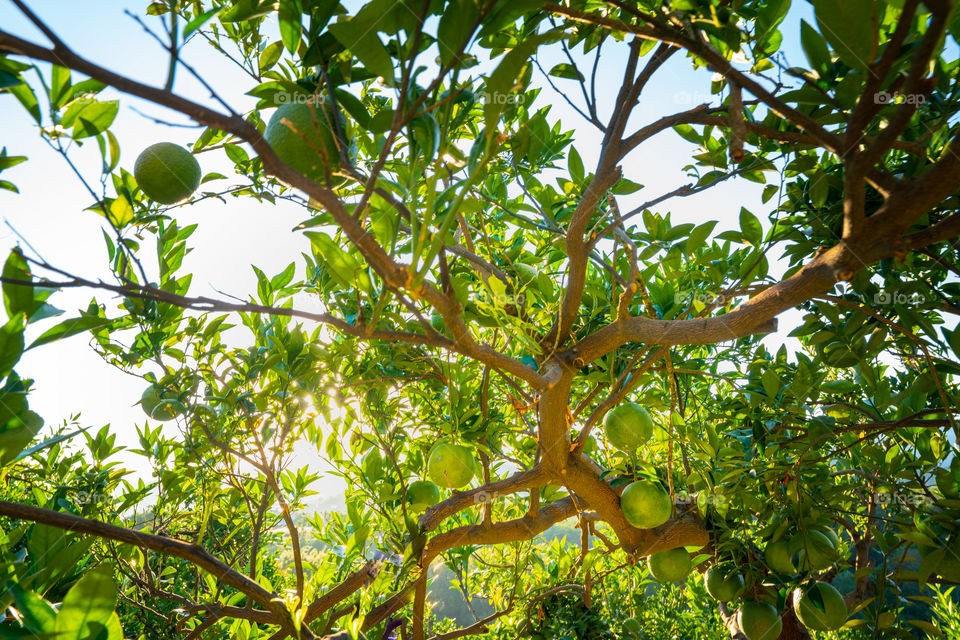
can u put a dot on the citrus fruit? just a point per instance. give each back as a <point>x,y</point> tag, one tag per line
<point>723,586</point>
<point>645,504</point>
<point>451,465</point>
<point>421,495</point>
<point>759,621</point>
<point>779,556</point>
<point>670,566</point>
<point>628,426</point>
<point>820,607</point>
<point>632,626</point>
<point>160,405</point>
<point>302,135</point>
<point>167,173</point>
<point>817,551</point>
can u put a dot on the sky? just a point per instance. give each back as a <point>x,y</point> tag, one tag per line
<point>48,213</point>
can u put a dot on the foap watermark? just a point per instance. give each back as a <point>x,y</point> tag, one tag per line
<point>501,97</point>
<point>688,298</point>
<point>485,497</point>
<point>898,297</point>
<point>503,299</point>
<point>294,97</point>
<point>885,97</point>
<point>700,497</point>
<point>687,97</point>
<point>93,497</point>
<point>895,497</point>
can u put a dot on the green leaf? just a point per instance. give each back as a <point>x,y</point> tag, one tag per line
<point>768,192</point>
<point>49,442</point>
<point>17,434</point>
<point>359,35</point>
<point>236,153</point>
<point>566,70</point>
<point>500,83</point>
<point>270,55</point>
<point>751,228</point>
<point>575,165</point>
<point>8,79</point>
<point>771,382</point>
<point>11,343</point>
<point>850,28</point>
<point>88,606</point>
<point>699,236</point>
<point>343,266</point>
<point>291,24</point>
<point>38,615</point>
<point>456,25</point>
<point>688,133</point>
<point>59,85</point>
<point>819,188</point>
<point>120,212</point>
<point>17,298</point>
<point>90,117</point>
<point>815,48</point>
<point>9,161</point>
<point>244,10</point>
<point>70,327</point>
<point>426,135</point>
<point>25,95</point>
<point>769,18</point>
<point>199,20</point>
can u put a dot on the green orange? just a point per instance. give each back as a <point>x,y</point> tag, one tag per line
<point>160,404</point>
<point>759,621</point>
<point>820,607</point>
<point>421,495</point>
<point>303,136</point>
<point>451,465</point>
<point>167,173</point>
<point>670,566</point>
<point>721,585</point>
<point>646,504</point>
<point>628,426</point>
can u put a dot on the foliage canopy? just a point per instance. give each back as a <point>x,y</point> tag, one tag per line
<point>481,286</point>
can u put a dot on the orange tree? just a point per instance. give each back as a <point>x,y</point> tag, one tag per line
<point>476,290</point>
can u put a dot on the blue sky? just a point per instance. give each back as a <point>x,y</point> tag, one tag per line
<point>48,212</point>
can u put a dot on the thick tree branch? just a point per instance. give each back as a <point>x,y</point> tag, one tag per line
<point>194,554</point>
<point>461,500</point>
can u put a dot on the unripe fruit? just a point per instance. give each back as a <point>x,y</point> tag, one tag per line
<point>303,136</point>
<point>167,173</point>
<point>422,495</point>
<point>820,607</point>
<point>628,426</point>
<point>160,405</point>
<point>645,504</point>
<point>817,551</point>
<point>451,466</point>
<point>759,621</point>
<point>779,556</point>
<point>723,587</point>
<point>670,566</point>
